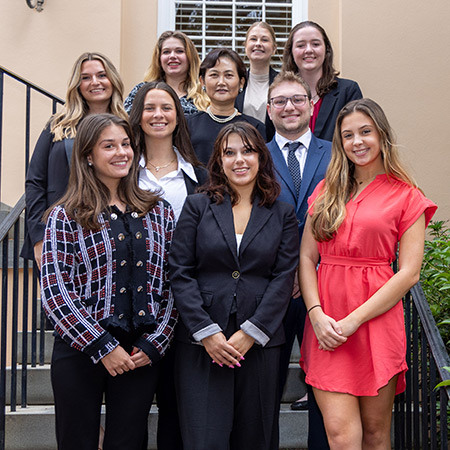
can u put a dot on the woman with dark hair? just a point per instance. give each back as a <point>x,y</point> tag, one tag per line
<point>105,289</point>
<point>308,52</point>
<point>169,166</point>
<point>94,87</point>
<point>260,45</point>
<point>232,264</point>
<point>175,60</point>
<point>365,210</point>
<point>222,75</point>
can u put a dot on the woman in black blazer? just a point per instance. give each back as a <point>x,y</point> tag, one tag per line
<point>260,45</point>
<point>308,52</point>
<point>94,87</point>
<point>168,165</point>
<point>232,267</point>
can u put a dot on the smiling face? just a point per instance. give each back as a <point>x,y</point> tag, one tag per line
<point>159,116</point>
<point>259,46</point>
<point>240,163</point>
<point>95,86</point>
<point>361,142</point>
<point>308,49</point>
<point>290,121</point>
<point>173,58</point>
<point>111,156</point>
<point>222,82</point>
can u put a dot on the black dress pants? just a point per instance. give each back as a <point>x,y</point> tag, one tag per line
<point>78,387</point>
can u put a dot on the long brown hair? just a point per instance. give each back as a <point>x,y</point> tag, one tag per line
<point>329,73</point>
<point>180,137</point>
<point>340,184</point>
<point>86,196</point>
<point>266,186</point>
<point>64,124</point>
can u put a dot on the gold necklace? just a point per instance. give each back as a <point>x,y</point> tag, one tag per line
<point>158,168</point>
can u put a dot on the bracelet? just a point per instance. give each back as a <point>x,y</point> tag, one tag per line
<point>315,306</point>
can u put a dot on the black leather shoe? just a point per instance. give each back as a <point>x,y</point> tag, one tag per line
<point>300,405</point>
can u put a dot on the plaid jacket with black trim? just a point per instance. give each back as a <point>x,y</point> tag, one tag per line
<point>77,270</point>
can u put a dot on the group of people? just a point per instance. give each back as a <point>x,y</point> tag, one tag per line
<point>187,236</point>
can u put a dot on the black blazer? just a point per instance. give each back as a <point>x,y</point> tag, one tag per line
<point>239,103</point>
<point>207,273</point>
<point>46,182</point>
<point>332,103</point>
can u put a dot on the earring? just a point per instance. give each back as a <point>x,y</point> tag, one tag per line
<point>240,89</point>
<point>204,88</point>
<point>89,164</point>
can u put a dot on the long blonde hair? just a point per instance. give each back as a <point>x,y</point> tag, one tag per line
<point>64,124</point>
<point>192,84</point>
<point>340,184</point>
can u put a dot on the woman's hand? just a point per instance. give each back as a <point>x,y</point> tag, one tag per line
<point>241,341</point>
<point>118,361</point>
<point>139,357</point>
<point>221,351</point>
<point>348,326</point>
<point>327,330</point>
<point>37,249</point>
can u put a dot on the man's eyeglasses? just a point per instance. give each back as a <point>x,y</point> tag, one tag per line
<point>281,101</point>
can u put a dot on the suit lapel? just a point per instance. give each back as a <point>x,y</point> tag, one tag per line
<point>224,218</point>
<point>258,218</point>
<point>313,159</point>
<point>325,110</point>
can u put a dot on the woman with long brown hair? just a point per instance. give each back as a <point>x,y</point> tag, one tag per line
<point>354,344</point>
<point>105,290</point>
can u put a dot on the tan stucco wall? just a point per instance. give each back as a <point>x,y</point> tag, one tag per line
<point>396,50</point>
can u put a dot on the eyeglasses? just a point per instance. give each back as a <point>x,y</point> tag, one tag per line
<point>281,102</point>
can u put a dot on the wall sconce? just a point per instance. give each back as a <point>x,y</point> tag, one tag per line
<point>35,4</point>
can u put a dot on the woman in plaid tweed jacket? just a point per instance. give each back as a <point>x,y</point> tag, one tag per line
<point>127,329</point>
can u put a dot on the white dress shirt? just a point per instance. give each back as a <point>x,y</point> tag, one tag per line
<point>171,186</point>
<point>301,153</point>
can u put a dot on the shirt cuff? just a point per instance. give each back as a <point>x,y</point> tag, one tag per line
<point>254,332</point>
<point>206,332</point>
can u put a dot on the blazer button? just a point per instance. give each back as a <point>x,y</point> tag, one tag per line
<point>123,290</point>
<point>121,316</point>
<point>141,313</point>
<point>235,274</point>
<point>140,289</point>
<point>113,216</point>
<point>123,263</point>
<point>139,263</point>
<point>121,237</point>
<point>134,215</point>
<point>138,235</point>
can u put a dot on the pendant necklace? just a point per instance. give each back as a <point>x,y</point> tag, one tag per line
<point>158,168</point>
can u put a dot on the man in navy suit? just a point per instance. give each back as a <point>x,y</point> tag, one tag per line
<point>301,161</point>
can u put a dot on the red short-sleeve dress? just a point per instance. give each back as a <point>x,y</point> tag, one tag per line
<point>353,266</point>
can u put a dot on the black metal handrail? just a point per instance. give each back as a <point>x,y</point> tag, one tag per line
<point>30,87</point>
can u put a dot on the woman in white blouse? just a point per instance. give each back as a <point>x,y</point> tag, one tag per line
<point>168,165</point>
<point>260,45</point>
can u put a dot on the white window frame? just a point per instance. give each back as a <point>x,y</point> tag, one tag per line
<point>167,12</point>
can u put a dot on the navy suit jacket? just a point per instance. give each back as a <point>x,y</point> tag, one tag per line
<point>317,160</point>
<point>332,103</point>
<point>208,275</point>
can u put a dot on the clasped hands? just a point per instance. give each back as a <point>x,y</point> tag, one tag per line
<point>119,361</point>
<point>331,333</point>
<point>228,352</point>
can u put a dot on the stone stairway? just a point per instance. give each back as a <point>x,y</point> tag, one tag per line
<point>33,427</point>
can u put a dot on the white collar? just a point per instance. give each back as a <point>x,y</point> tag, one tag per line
<point>183,165</point>
<point>304,139</point>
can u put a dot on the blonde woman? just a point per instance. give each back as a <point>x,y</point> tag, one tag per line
<point>175,60</point>
<point>260,45</point>
<point>354,344</point>
<point>94,87</point>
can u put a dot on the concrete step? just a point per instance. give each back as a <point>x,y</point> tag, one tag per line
<point>33,428</point>
<point>39,390</point>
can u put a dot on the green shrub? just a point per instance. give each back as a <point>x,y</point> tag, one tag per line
<point>435,276</point>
